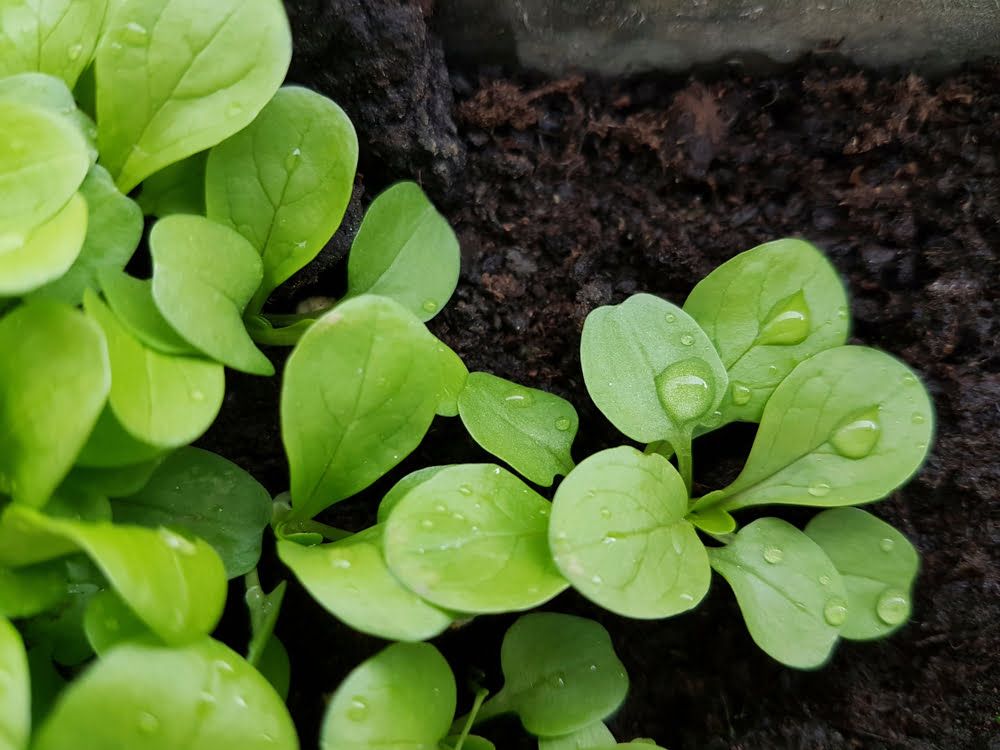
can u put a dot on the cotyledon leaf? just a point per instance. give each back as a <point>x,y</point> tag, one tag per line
<point>15,691</point>
<point>28,591</point>
<point>404,485</point>
<point>131,300</point>
<point>595,735</point>
<point>178,188</point>
<point>111,446</point>
<point>50,93</point>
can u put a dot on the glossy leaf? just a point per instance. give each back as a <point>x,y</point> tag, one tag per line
<point>561,674</point>
<point>530,429</point>
<point>264,610</point>
<point>619,534</point>
<point>56,37</point>
<point>284,182</point>
<point>595,735</point>
<point>111,446</point>
<point>15,690</point>
<point>405,250</point>
<point>50,93</point>
<point>178,188</point>
<point>790,593</point>
<point>204,274</point>
<point>54,380</point>
<point>118,481</point>
<point>846,427</point>
<point>159,399</point>
<point>178,76</point>
<point>202,494</point>
<point>403,698</point>
<point>131,300</point>
<point>351,581</point>
<point>201,696</point>
<point>878,565</point>
<point>453,375</point>
<point>28,591</point>
<point>108,622</point>
<point>766,310</point>
<point>359,394</point>
<point>44,253</point>
<point>472,538</point>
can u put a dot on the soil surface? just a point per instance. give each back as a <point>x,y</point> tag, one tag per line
<point>579,192</point>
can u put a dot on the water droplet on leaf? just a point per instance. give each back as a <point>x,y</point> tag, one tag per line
<point>74,52</point>
<point>886,544</point>
<point>918,418</point>
<point>787,323</point>
<point>358,710</point>
<point>773,555</point>
<point>340,563</point>
<point>465,490</point>
<point>429,306</point>
<point>178,543</point>
<point>519,397</point>
<point>670,317</point>
<point>819,489</point>
<point>893,607</point>
<point>563,424</point>
<point>825,580</point>
<point>605,513</point>
<point>684,390</point>
<point>134,34</point>
<point>741,394</point>
<point>687,339</point>
<point>858,436</point>
<point>835,612</point>
<point>427,524</point>
<point>148,723</point>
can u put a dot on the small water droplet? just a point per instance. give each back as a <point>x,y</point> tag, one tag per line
<point>427,524</point>
<point>609,538</point>
<point>825,580</point>
<point>74,52</point>
<point>909,379</point>
<point>206,699</point>
<point>224,666</point>
<point>741,394</point>
<point>893,607</point>
<point>178,543</point>
<point>563,424</point>
<point>465,490</point>
<point>558,680</point>
<point>358,710</point>
<point>293,160</point>
<point>713,420</point>
<point>134,34</point>
<point>684,391</point>
<point>685,597</point>
<point>197,395</point>
<point>835,612</point>
<point>918,418</point>
<point>519,397</point>
<point>440,508</point>
<point>596,580</point>
<point>886,544</point>
<point>773,555</point>
<point>787,323</point>
<point>429,306</point>
<point>148,723</point>
<point>670,317</point>
<point>340,563</point>
<point>562,535</point>
<point>474,529</point>
<point>687,339</point>
<point>605,513</point>
<point>857,437</point>
<point>593,667</point>
<point>841,312</point>
<point>458,516</point>
<point>240,701</point>
<point>819,489</point>
<point>234,110</point>
<point>772,371</point>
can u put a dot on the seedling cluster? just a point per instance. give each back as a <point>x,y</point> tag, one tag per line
<point>118,538</point>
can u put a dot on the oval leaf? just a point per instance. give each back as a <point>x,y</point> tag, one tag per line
<point>473,539</point>
<point>404,485</point>
<point>25,592</point>
<point>619,535</point>
<point>52,94</point>
<point>790,593</point>
<point>111,446</point>
<point>46,252</point>
<point>15,691</point>
<point>108,622</point>
<point>595,735</point>
<point>132,302</point>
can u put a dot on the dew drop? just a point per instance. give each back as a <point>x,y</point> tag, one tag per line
<point>825,580</point>
<point>835,612</point>
<point>224,667</point>
<point>670,317</point>
<point>240,701</point>
<point>358,709</point>
<point>148,723</point>
<point>197,395</point>
<point>918,418</point>
<point>687,339</point>
<point>684,391</point>
<point>741,394</point>
<point>893,607</point>
<point>74,52</point>
<point>293,159</point>
<point>685,597</point>
<point>134,34</point>
<point>909,379</point>
<point>440,508</point>
<point>427,524</point>
<point>841,312</point>
<point>713,420</point>
<point>605,513</point>
<point>465,490</point>
<point>788,322</point>
<point>819,489</point>
<point>234,110</point>
<point>340,563</point>
<point>773,555</point>
<point>558,680</point>
<point>857,437</point>
<point>563,424</point>
<point>458,516</point>
<point>429,306</point>
<point>886,544</point>
<point>178,543</point>
<point>596,580</point>
<point>609,539</point>
<point>593,667</point>
<point>519,397</point>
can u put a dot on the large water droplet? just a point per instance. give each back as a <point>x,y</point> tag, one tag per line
<point>563,424</point>
<point>358,710</point>
<point>520,397</point>
<point>893,606</point>
<point>773,555</point>
<point>429,306</point>
<point>687,339</point>
<point>741,394</point>
<point>684,390</point>
<point>886,544</point>
<point>148,723</point>
<point>857,437</point>
<point>787,323</point>
<point>819,489</point>
<point>835,612</point>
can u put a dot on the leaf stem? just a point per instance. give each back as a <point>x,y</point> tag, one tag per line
<point>481,711</point>
<point>252,579</point>
<point>308,526</point>
<point>262,332</point>
<point>684,463</point>
<point>470,718</point>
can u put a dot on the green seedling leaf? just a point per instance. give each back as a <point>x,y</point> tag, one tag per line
<point>114,227</point>
<point>111,446</point>
<point>178,188</point>
<point>56,37</point>
<point>404,485</point>
<point>204,274</point>
<point>201,696</point>
<point>54,380</point>
<point>45,253</point>
<point>108,622</point>
<point>359,394</point>
<point>176,586</point>
<point>766,310</point>
<point>276,667</point>
<point>15,690</point>
<point>351,581</point>
<point>46,683</point>
<point>530,429</point>
<point>202,494</point>
<point>405,250</point>
<point>878,565</point>
<point>791,595</point>
<point>618,533</point>
<point>846,427</point>
<point>471,742</point>
<point>561,674</point>
<point>43,160</point>
<point>284,182</point>
<point>453,376</point>
<point>131,300</point>
<point>403,698</point>
<point>162,400</point>
<point>713,521</point>
<point>59,631</point>
<point>595,735</point>
<point>118,481</point>
<point>26,592</point>
<point>175,77</point>
<point>264,611</point>
<point>52,94</point>
<point>473,538</point>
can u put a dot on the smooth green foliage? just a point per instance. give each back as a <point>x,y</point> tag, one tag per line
<point>201,696</point>
<point>44,253</point>
<point>202,494</point>
<point>159,399</point>
<point>204,274</point>
<point>264,609</point>
<point>359,393</point>
<point>791,595</point>
<point>561,674</point>
<point>178,188</point>
<point>878,565</point>
<point>284,182</point>
<point>52,94</point>
<point>117,481</point>
<point>15,693</point>
<point>405,250</point>
<point>131,300</point>
<point>350,579</point>
<point>453,377</point>
<point>111,446</point>
<point>25,592</point>
<point>56,37</point>
<point>766,310</point>
<point>403,698</point>
<point>596,735</point>
<point>174,585</point>
<point>473,538</point>
<point>618,533</point>
<point>59,631</point>
<point>402,487</point>
<point>54,379</point>
<point>114,226</point>
<point>846,427</point>
<point>530,429</point>
<point>175,77</point>
<point>108,621</point>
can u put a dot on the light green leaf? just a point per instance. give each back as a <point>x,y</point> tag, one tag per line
<point>404,485</point>
<point>201,696</point>
<point>178,188</point>
<point>202,494</point>
<point>405,250</point>
<point>117,481</point>
<point>766,310</point>
<point>350,580</point>
<point>111,446</point>
<point>846,427</point>
<point>878,565</point>
<point>359,394</point>
<point>790,593</point>
<point>530,429</point>
<point>561,674</point>
<point>28,591</point>
<point>114,227</point>
<point>264,610</point>
<point>108,622</point>
<point>453,377</point>
<point>15,690</point>
<point>403,698</point>
<point>618,533</point>
<point>473,538</point>
<point>56,37</point>
<point>46,252</point>
<point>175,77</point>
<point>131,300</point>
<point>275,666</point>
<point>59,631</point>
<point>204,274</point>
<point>54,380</point>
<point>50,93</point>
<point>159,399</point>
<point>595,735</point>
<point>471,742</point>
<point>284,182</point>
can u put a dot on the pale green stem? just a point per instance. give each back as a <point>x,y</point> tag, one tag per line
<point>471,717</point>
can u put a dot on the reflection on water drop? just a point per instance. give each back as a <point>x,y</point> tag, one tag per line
<point>605,513</point>
<point>429,306</point>
<point>687,339</point>
<point>857,437</point>
<point>893,607</point>
<point>465,490</point>
<point>773,555</point>
<point>563,424</point>
<point>670,317</point>
<point>74,52</point>
<point>358,709</point>
<point>835,612</point>
<point>741,394</point>
<point>819,489</point>
<point>684,390</point>
<point>787,323</point>
<point>520,397</point>
<point>148,723</point>
<point>713,420</point>
<point>886,544</point>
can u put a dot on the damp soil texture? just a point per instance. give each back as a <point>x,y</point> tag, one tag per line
<point>579,192</point>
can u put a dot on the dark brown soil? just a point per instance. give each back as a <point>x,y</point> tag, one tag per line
<point>579,192</point>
